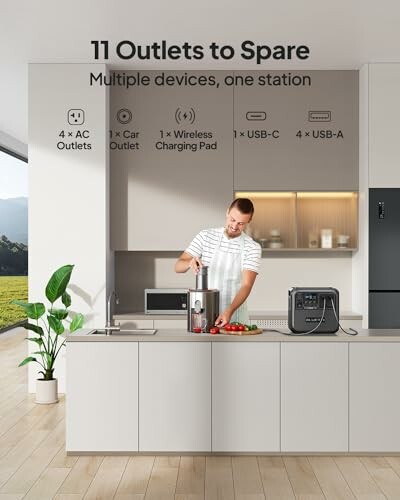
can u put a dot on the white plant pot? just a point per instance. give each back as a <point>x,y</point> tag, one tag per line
<point>46,391</point>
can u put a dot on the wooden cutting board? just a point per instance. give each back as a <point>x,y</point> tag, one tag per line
<point>244,332</point>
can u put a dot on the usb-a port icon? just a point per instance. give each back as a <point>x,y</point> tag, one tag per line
<point>319,116</point>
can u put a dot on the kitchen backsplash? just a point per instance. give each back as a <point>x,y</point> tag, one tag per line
<point>135,271</point>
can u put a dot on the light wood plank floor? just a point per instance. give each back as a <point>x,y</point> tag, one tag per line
<point>33,463</point>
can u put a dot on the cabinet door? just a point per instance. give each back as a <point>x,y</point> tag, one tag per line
<point>102,402</point>
<point>245,397</point>
<point>314,396</point>
<point>384,110</point>
<point>178,178</point>
<point>374,397</point>
<point>175,396</point>
<point>297,137</point>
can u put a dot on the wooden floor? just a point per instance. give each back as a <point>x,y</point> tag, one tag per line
<point>33,463</point>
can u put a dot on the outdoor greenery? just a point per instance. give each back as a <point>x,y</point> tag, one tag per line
<point>12,287</point>
<point>47,334</point>
<point>13,258</point>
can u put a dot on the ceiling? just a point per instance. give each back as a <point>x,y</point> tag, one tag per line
<point>341,34</point>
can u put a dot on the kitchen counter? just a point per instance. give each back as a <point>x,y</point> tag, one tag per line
<point>181,335</point>
<point>180,392</point>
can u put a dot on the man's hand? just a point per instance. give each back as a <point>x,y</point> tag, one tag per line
<point>223,318</point>
<point>195,264</point>
<point>186,261</point>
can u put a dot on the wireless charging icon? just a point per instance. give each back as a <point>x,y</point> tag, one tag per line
<point>124,116</point>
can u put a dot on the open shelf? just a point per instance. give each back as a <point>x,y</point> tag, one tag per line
<point>294,221</point>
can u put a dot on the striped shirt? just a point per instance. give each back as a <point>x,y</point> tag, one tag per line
<point>204,244</point>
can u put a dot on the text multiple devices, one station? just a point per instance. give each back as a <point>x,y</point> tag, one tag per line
<point>203,304</point>
<point>313,309</point>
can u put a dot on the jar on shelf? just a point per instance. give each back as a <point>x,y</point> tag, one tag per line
<point>275,240</point>
<point>326,238</point>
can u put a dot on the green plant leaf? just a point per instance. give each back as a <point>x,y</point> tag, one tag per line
<point>55,324</point>
<point>50,360</point>
<point>77,322</point>
<point>59,313</point>
<point>58,283</point>
<point>34,328</point>
<point>27,360</point>
<point>20,303</point>
<point>37,341</point>
<point>34,310</point>
<point>66,299</point>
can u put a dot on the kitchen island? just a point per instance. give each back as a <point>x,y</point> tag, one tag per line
<point>179,392</point>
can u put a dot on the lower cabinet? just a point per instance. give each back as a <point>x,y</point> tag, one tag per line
<point>374,397</point>
<point>245,397</point>
<point>314,396</point>
<point>102,396</point>
<point>175,396</point>
<point>294,396</point>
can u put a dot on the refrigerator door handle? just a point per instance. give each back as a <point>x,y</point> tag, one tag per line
<point>381,209</point>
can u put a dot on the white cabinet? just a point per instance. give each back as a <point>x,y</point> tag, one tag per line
<point>384,112</point>
<point>374,397</point>
<point>289,149</point>
<point>245,397</point>
<point>175,396</point>
<point>314,399</point>
<point>102,400</point>
<point>176,178</point>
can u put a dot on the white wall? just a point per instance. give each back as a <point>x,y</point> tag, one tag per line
<point>68,190</point>
<point>360,260</point>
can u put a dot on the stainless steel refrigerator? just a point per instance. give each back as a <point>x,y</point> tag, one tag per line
<point>384,258</point>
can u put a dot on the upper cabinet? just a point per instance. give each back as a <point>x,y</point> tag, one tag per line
<point>296,131</point>
<point>312,221</point>
<point>182,142</point>
<point>384,112</point>
<point>171,158</point>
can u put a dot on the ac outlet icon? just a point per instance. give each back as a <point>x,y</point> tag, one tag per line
<point>76,116</point>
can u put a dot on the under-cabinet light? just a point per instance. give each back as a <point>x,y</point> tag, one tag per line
<point>269,194</point>
<point>326,194</point>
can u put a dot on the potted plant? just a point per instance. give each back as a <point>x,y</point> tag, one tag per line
<point>48,334</point>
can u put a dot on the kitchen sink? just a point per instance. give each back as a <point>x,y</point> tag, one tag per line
<point>143,331</point>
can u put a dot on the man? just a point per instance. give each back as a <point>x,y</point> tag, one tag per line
<point>233,260</point>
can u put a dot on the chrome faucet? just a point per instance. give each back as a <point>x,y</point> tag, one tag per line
<point>110,327</point>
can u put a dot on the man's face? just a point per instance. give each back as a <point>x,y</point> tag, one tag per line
<point>236,222</point>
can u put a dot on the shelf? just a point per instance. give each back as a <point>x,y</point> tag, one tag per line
<point>298,218</point>
<point>311,250</point>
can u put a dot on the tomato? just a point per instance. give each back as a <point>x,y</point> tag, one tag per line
<point>234,328</point>
<point>197,330</point>
<point>241,328</point>
<point>214,330</point>
<point>228,327</point>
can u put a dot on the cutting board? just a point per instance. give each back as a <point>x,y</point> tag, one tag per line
<point>244,332</point>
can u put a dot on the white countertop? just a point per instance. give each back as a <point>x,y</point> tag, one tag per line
<point>181,335</point>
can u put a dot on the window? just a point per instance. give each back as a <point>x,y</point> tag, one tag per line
<point>13,236</point>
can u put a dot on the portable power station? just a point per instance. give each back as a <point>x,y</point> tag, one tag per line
<point>306,310</point>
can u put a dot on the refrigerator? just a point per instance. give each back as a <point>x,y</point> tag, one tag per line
<point>384,258</point>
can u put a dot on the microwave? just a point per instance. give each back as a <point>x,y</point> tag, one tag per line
<point>165,301</point>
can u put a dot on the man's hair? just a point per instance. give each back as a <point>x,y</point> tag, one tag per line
<point>244,205</point>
